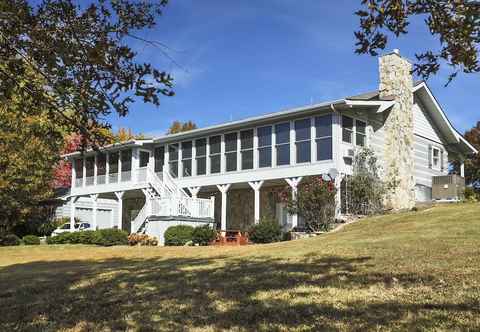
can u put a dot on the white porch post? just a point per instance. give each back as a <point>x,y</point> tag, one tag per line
<point>84,174</point>
<point>293,183</point>
<point>196,207</point>
<point>95,170</point>
<point>94,198</point>
<point>338,196</point>
<point>74,174</point>
<point>72,212</point>
<point>462,168</point>
<point>256,185</point>
<point>119,179</point>
<point>107,167</point>
<point>194,191</point>
<point>223,189</point>
<point>119,195</point>
<point>212,206</point>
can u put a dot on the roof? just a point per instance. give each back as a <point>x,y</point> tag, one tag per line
<point>375,95</point>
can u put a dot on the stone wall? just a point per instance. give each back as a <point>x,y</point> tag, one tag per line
<point>396,81</point>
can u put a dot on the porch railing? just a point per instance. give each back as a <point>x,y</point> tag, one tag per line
<point>183,206</point>
<point>139,219</point>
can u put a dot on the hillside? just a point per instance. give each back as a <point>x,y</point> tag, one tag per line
<point>410,271</point>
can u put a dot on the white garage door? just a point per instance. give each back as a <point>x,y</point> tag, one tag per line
<point>104,218</point>
<point>84,214</point>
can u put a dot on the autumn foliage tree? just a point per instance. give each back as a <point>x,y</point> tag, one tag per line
<point>472,162</point>
<point>178,127</point>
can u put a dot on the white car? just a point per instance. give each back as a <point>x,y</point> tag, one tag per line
<point>65,228</point>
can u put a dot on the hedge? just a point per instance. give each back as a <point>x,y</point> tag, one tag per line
<point>266,231</point>
<point>103,237</point>
<point>31,240</point>
<point>9,240</point>
<point>203,235</point>
<point>178,235</point>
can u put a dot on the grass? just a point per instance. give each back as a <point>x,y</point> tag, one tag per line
<point>412,271</point>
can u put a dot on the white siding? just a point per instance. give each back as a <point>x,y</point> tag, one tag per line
<point>423,125</point>
<point>84,210</point>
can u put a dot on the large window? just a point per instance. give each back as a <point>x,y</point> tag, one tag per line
<point>101,168</point>
<point>215,154</point>
<point>89,170</point>
<point>323,137</point>
<point>113,167</point>
<point>126,156</point>
<point>354,131</point>
<point>187,158</point>
<point>173,159</point>
<point>264,146</point>
<point>303,140</point>
<point>347,129</point>
<point>201,156</point>
<point>282,143</point>
<point>231,152</point>
<point>360,132</point>
<point>78,172</point>
<point>246,146</point>
<point>159,155</point>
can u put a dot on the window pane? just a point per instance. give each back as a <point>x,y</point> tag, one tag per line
<point>215,164</point>
<point>324,149</point>
<point>231,142</point>
<point>173,168</point>
<point>159,158</point>
<point>101,164</point>
<point>302,130</point>
<point>282,133</point>
<point>113,163</point>
<point>215,144</point>
<point>246,138</point>
<point>347,135</point>
<point>264,136</point>
<point>186,150</point>
<point>144,157</point>
<point>265,157</point>
<point>201,166</point>
<point>126,160</point>
<point>173,152</point>
<point>247,159</point>
<point>360,139</point>
<point>283,154</point>
<point>201,147</point>
<point>303,152</point>
<point>79,168</point>
<point>361,127</point>
<point>187,167</point>
<point>323,125</point>
<point>89,162</point>
<point>231,160</point>
<point>347,122</point>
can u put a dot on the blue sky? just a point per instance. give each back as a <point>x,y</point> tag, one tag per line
<point>243,58</point>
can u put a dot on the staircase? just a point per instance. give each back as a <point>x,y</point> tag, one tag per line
<point>165,199</point>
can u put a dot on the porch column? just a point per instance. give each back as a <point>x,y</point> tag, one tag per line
<point>94,198</point>
<point>293,183</point>
<point>223,189</point>
<point>256,185</point>
<point>119,179</point>
<point>84,174</point>
<point>119,195</point>
<point>73,199</point>
<point>194,191</point>
<point>462,168</point>
<point>95,170</point>
<point>107,167</point>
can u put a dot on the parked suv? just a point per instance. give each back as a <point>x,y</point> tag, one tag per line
<point>65,228</point>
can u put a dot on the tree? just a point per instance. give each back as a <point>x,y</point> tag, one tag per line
<point>455,23</point>
<point>178,127</point>
<point>472,162</point>
<point>81,53</point>
<point>126,134</point>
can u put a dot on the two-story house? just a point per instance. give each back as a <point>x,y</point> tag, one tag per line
<point>231,174</point>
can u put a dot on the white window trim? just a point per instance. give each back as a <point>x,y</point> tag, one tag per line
<point>354,131</point>
<point>439,158</point>
<point>241,150</point>
<point>302,141</point>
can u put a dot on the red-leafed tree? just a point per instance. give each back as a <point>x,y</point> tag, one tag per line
<point>62,174</point>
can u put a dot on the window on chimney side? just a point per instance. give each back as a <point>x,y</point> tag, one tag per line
<point>436,158</point>
<point>347,129</point>
<point>360,132</point>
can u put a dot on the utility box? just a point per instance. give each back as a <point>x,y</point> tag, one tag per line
<point>448,187</point>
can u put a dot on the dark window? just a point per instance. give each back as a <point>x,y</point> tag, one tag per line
<point>89,162</point>
<point>246,145</point>
<point>101,164</point>
<point>264,146</point>
<point>231,152</point>
<point>347,129</point>
<point>126,160</point>
<point>302,140</point>
<point>79,168</point>
<point>173,159</point>
<point>323,129</point>
<point>144,158</point>
<point>113,163</point>
<point>201,153</point>
<point>282,143</point>
<point>360,132</point>
<point>159,158</point>
<point>215,157</point>
<point>187,158</point>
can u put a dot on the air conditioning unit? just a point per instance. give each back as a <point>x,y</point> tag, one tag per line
<point>349,153</point>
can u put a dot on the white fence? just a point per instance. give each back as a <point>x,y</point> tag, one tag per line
<point>183,206</point>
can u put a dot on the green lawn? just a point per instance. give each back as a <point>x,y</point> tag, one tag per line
<point>411,271</point>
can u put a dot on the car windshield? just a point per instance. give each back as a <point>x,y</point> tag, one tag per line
<point>65,226</point>
<point>85,225</point>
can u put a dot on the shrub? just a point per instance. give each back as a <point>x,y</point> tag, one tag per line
<point>142,239</point>
<point>9,240</point>
<point>31,240</point>
<point>266,231</point>
<point>110,237</point>
<point>470,195</point>
<point>178,235</point>
<point>203,235</point>
<point>62,238</point>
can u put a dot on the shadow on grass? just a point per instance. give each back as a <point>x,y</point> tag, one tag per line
<point>214,293</point>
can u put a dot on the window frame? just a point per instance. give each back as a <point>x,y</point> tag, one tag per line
<point>204,156</point>
<point>318,138</point>
<point>187,159</point>
<point>261,147</point>
<point>354,131</point>
<point>296,142</point>
<point>231,153</point>
<point>170,161</point>
<point>277,145</point>
<point>215,154</point>
<point>439,157</point>
<point>246,150</point>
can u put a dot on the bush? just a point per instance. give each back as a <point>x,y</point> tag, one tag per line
<point>31,240</point>
<point>142,240</point>
<point>110,237</point>
<point>266,231</point>
<point>62,238</point>
<point>470,195</point>
<point>178,235</point>
<point>9,240</point>
<point>203,235</point>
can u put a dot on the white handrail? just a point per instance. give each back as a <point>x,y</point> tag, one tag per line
<point>183,206</point>
<point>139,219</point>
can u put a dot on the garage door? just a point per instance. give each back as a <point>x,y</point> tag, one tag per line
<point>104,218</point>
<point>84,214</point>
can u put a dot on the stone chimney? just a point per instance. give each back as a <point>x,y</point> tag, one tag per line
<point>396,82</point>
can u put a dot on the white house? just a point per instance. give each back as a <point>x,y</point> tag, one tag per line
<point>231,173</point>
